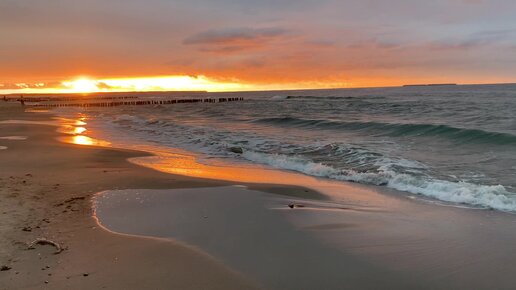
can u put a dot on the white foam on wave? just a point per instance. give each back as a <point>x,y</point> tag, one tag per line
<point>291,163</point>
<point>126,117</point>
<point>279,98</point>
<point>213,142</point>
<point>492,196</point>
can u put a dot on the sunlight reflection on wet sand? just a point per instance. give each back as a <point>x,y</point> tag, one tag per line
<point>187,164</point>
<point>84,140</point>
<point>77,128</point>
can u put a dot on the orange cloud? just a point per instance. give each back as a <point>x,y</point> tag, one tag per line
<point>280,44</point>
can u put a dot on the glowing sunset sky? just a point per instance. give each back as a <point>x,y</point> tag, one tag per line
<point>47,45</point>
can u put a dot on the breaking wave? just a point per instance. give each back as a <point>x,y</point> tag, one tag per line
<point>488,196</point>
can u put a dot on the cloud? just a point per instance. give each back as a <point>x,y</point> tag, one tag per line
<point>19,86</point>
<point>232,35</point>
<point>233,40</point>
<point>103,85</point>
<point>476,40</point>
<point>264,41</point>
<point>322,43</point>
<point>474,2</point>
<point>375,43</point>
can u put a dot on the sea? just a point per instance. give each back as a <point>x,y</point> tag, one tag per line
<point>453,143</point>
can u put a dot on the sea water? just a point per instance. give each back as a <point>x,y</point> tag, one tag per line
<point>452,143</point>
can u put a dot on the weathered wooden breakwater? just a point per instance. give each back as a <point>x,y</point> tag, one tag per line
<point>140,102</point>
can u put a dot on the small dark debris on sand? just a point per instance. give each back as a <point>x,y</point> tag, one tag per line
<point>292,205</point>
<point>70,200</point>
<point>74,199</point>
<point>5,268</point>
<point>27,229</point>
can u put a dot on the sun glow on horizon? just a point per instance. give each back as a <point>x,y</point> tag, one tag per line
<point>86,85</point>
<point>82,85</point>
<point>163,83</point>
<point>171,83</point>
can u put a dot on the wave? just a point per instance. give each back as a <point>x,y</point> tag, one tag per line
<point>362,97</point>
<point>336,160</point>
<point>398,129</point>
<point>486,196</point>
<point>280,97</point>
<point>319,98</point>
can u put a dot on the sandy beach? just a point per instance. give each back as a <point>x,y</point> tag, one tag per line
<point>237,232</point>
<point>45,188</point>
<point>278,145</point>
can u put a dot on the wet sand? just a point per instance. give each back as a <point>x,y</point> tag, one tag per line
<point>247,230</point>
<point>325,244</point>
<point>344,236</point>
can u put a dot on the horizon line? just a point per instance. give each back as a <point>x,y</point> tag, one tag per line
<point>273,90</point>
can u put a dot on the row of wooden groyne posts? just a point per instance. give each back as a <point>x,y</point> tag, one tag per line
<point>117,102</point>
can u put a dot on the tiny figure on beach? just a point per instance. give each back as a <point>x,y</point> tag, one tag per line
<point>5,98</point>
<point>22,101</point>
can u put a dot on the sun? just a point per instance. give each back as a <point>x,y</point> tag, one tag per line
<point>82,85</point>
<point>85,85</point>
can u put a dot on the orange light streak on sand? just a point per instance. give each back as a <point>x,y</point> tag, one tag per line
<point>76,130</point>
<point>79,130</point>
<point>84,140</point>
<point>183,164</point>
<point>186,164</point>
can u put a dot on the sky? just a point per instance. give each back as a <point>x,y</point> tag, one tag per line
<point>217,45</point>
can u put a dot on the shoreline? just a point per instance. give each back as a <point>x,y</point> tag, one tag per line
<point>48,195</point>
<point>401,242</point>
